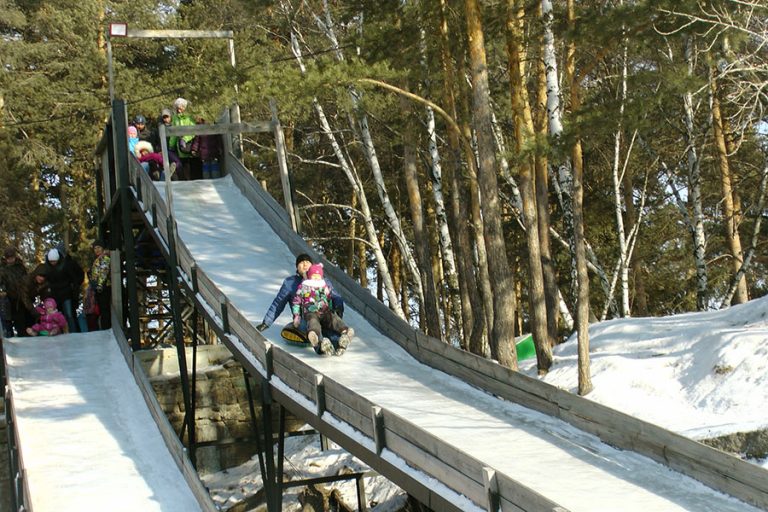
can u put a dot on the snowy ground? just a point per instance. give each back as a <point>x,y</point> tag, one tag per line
<point>699,374</point>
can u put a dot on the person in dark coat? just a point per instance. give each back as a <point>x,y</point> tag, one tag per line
<point>208,149</point>
<point>12,273</point>
<point>142,131</point>
<point>34,290</point>
<point>287,293</point>
<point>154,139</point>
<point>65,276</point>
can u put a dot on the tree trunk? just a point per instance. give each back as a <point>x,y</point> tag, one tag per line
<point>430,313</point>
<point>503,332</point>
<point>524,134</point>
<point>618,172</point>
<point>472,313</point>
<point>350,264</point>
<point>639,295</point>
<point>729,210</point>
<point>551,290</point>
<point>441,219</point>
<point>694,185</point>
<point>582,316</point>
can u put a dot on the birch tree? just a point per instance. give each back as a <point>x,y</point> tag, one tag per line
<point>326,25</point>
<point>355,182</point>
<point>694,184</point>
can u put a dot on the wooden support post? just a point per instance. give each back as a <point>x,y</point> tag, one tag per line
<point>319,395</point>
<point>120,135</point>
<point>225,315</point>
<point>268,363</point>
<point>266,418</point>
<point>491,489</point>
<point>282,164</point>
<point>378,428</point>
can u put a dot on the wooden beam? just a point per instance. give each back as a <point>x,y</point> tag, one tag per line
<point>180,34</point>
<point>215,129</point>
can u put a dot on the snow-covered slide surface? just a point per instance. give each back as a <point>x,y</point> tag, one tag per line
<point>86,436</point>
<point>248,261</point>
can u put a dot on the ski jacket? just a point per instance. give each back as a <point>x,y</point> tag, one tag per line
<point>288,291</point>
<point>313,296</point>
<point>99,275</point>
<point>13,277</point>
<point>32,292</point>
<point>54,323</point>
<point>64,278</point>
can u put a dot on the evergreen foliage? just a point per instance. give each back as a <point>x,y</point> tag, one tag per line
<point>54,102</point>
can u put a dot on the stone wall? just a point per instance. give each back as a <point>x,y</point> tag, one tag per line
<point>222,411</point>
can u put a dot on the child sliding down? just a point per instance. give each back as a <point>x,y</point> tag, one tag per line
<point>313,302</point>
<point>52,321</point>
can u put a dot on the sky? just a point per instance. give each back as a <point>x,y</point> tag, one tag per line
<point>697,374</point>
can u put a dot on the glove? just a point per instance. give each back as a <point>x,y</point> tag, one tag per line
<point>296,321</point>
<point>261,327</point>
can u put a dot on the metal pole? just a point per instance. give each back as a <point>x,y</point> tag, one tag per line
<point>178,329</point>
<point>111,70</point>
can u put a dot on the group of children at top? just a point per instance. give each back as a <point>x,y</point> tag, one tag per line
<point>45,301</point>
<point>190,157</point>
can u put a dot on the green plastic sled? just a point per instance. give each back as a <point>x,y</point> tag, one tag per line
<point>524,348</point>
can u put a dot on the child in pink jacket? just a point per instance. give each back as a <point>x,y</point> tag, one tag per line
<point>52,321</point>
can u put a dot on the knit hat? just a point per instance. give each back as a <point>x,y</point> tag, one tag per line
<point>180,102</point>
<point>10,252</point>
<point>132,131</point>
<point>166,112</point>
<point>53,255</point>
<point>99,242</point>
<point>302,257</point>
<point>317,268</point>
<point>40,270</point>
<point>49,303</point>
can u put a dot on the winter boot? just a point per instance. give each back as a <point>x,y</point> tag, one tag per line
<point>326,347</point>
<point>312,337</point>
<point>344,340</point>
